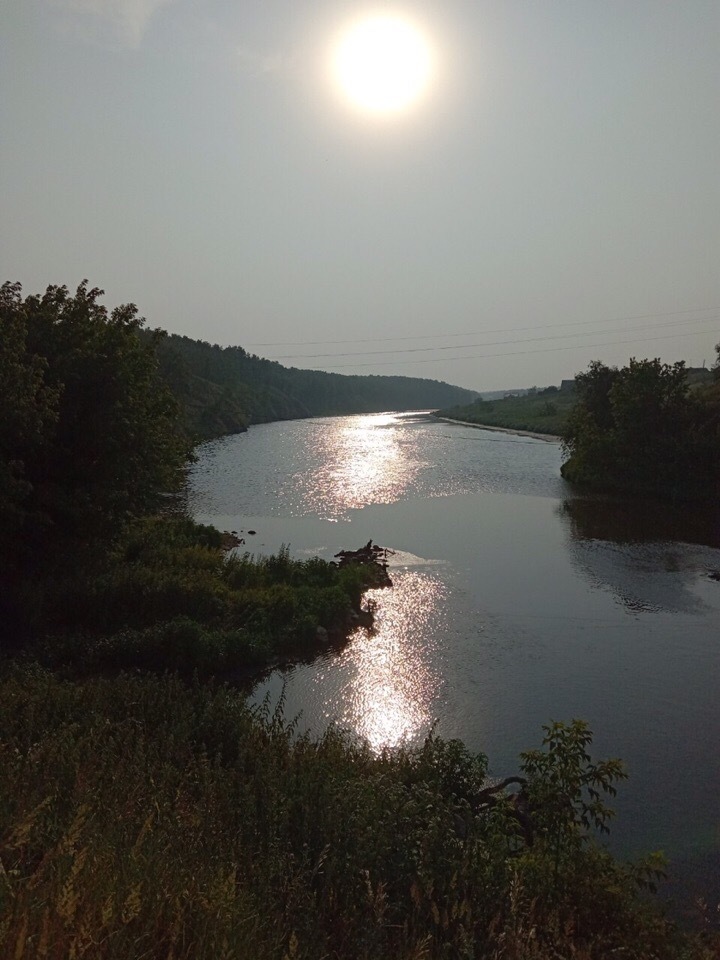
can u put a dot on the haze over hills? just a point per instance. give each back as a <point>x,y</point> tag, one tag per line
<point>225,389</point>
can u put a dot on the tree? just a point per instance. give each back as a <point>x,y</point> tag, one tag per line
<point>565,788</point>
<point>592,390</point>
<point>588,436</point>
<point>28,408</point>
<point>639,429</point>
<point>89,436</point>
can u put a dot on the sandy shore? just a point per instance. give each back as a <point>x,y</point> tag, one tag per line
<point>550,437</point>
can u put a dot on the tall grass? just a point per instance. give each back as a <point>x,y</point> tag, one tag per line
<point>170,598</point>
<point>143,817</point>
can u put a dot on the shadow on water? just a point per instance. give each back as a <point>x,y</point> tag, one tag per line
<point>650,555</point>
<point>642,521</point>
<point>659,562</point>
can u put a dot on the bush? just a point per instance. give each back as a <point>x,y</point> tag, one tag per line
<point>145,815</point>
<point>171,599</point>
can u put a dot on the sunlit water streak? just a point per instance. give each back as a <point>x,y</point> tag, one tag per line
<point>364,460</point>
<point>328,467</point>
<point>389,700</point>
<point>514,604</point>
<point>387,681</point>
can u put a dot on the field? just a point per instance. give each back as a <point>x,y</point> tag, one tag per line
<point>543,412</point>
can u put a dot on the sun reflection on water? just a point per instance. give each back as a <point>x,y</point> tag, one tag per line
<point>393,677</point>
<point>364,460</point>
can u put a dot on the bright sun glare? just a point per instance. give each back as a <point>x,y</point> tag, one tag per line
<point>382,64</point>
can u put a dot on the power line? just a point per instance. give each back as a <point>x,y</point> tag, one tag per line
<point>476,333</point>
<point>519,353</point>
<point>492,343</point>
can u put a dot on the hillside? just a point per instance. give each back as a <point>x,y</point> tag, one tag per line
<point>224,389</point>
<point>544,411</point>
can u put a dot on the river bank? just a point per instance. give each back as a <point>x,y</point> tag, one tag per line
<point>545,412</point>
<point>145,813</point>
<point>550,437</point>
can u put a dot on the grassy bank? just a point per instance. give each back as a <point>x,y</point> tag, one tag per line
<point>171,598</point>
<point>543,412</point>
<point>146,811</point>
<point>143,817</point>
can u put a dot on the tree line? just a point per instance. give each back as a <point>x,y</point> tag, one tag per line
<point>641,429</point>
<point>224,389</point>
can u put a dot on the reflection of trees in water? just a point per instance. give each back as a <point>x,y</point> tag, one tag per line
<point>642,521</point>
<point>649,554</point>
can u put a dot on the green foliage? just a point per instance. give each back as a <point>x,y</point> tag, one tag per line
<point>89,447</point>
<point>565,788</point>
<point>640,429</point>
<point>89,434</point>
<point>223,389</point>
<point>171,599</point>
<point>533,412</point>
<point>142,816</point>
<point>28,410</point>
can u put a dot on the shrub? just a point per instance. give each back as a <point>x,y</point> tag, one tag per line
<point>147,815</point>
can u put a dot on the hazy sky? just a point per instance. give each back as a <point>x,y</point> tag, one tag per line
<point>196,157</point>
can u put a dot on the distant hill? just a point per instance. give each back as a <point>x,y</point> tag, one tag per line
<point>225,389</point>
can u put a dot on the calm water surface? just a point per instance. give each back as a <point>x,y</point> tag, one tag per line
<point>514,603</point>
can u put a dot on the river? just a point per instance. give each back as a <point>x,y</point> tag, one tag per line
<point>515,602</point>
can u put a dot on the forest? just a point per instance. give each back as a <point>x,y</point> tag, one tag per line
<point>147,811</point>
<point>224,389</point>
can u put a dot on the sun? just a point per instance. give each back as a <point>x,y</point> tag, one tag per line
<point>382,64</point>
